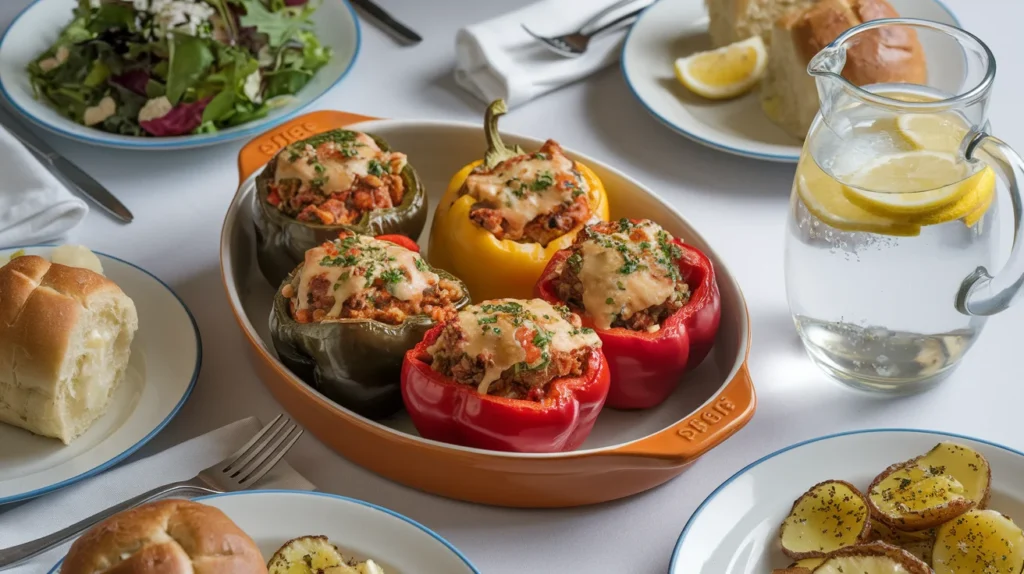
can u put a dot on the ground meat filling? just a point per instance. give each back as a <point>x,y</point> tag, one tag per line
<point>513,348</point>
<point>530,198</point>
<point>359,277</point>
<point>336,177</point>
<point>623,274</point>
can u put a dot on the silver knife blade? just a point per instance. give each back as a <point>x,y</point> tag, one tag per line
<point>69,173</point>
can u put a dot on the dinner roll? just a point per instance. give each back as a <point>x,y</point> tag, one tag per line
<point>65,334</point>
<point>734,20</point>
<point>887,55</point>
<point>165,537</point>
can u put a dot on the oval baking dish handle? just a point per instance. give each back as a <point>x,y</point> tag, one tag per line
<point>703,430</point>
<point>261,148</point>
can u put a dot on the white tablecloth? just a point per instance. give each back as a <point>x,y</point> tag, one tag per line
<point>179,199</point>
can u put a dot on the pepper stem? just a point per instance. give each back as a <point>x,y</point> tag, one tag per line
<point>497,151</point>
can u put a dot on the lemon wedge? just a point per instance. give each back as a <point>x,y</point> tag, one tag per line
<point>724,73</point>
<point>824,198</point>
<point>907,183</point>
<point>936,132</point>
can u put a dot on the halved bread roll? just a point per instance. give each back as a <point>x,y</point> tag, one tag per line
<point>887,55</point>
<point>734,20</point>
<point>65,338</point>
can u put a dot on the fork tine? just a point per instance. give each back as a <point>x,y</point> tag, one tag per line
<point>257,443</point>
<point>532,33</point>
<point>267,449</point>
<point>272,461</point>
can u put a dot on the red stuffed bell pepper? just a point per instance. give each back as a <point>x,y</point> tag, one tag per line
<point>509,375</point>
<point>652,299</point>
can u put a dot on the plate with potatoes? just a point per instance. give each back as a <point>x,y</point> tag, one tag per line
<point>866,502</point>
<point>262,532</point>
<point>732,74</point>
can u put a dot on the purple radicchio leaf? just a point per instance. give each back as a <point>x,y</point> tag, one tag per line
<point>181,120</point>
<point>134,80</point>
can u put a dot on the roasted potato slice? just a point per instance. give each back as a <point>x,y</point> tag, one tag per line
<point>872,558</point>
<point>918,543</point>
<point>936,487</point>
<point>829,516</point>
<point>979,542</point>
<point>368,567</point>
<point>305,555</point>
<point>800,566</point>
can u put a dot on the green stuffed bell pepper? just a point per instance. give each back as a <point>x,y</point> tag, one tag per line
<point>339,180</point>
<point>344,318</point>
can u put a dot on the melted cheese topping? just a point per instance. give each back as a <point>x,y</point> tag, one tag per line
<point>335,164</point>
<point>360,260</point>
<point>861,565</point>
<point>500,331</point>
<point>622,276</point>
<point>526,186</point>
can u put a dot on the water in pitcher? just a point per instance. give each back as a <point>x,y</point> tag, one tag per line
<point>886,220</point>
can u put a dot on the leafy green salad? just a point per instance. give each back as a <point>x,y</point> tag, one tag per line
<point>175,67</point>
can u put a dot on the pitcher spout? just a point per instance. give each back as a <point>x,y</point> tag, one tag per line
<point>828,63</point>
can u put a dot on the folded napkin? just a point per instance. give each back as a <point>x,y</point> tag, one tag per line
<point>51,512</point>
<point>498,59</point>
<point>34,206</point>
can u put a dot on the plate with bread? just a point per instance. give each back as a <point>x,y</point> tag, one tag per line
<point>262,532</point>
<point>881,501</point>
<point>732,74</point>
<point>96,356</point>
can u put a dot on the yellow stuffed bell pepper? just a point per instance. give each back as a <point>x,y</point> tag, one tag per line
<point>494,268</point>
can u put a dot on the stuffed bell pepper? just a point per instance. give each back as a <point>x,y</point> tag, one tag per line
<point>507,374</point>
<point>652,299</point>
<point>340,180</point>
<point>502,218</point>
<point>343,320</point>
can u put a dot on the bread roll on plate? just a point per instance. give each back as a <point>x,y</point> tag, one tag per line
<point>882,56</point>
<point>165,537</point>
<point>65,338</point>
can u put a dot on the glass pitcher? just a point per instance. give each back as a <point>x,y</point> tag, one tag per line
<point>893,217</point>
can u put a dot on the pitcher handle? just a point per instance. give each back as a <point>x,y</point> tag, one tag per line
<point>981,293</point>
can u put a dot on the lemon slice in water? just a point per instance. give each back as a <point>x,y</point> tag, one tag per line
<point>726,72</point>
<point>909,183</point>
<point>936,132</point>
<point>824,198</point>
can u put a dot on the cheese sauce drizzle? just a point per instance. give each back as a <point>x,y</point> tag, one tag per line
<point>333,162</point>
<point>355,262</point>
<point>626,271</point>
<point>499,331</point>
<point>526,186</point>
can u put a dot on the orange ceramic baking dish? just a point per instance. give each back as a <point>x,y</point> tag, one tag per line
<point>627,453</point>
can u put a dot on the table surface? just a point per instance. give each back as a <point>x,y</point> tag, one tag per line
<point>739,205</point>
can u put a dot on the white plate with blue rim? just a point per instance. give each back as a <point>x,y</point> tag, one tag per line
<point>671,29</point>
<point>36,28</point>
<point>359,529</point>
<point>735,530</point>
<point>164,365</point>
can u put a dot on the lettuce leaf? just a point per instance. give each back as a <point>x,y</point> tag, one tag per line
<point>190,58</point>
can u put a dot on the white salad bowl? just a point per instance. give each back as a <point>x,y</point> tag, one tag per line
<point>35,29</point>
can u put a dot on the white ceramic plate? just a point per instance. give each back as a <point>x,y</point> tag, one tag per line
<point>734,531</point>
<point>670,29</point>
<point>165,359</point>
<point>35,29</point>
<point>360,529</point>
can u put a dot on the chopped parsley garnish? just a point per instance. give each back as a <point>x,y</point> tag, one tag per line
<point>391,276</point>
<point>339,261</point>
<point>539,155</point>
<point>376,168</point>
<point>544,180</point>
<point>318,182</point>
<point>421,264</point>
<point>542,338</point>
<point>487,320</point>
<point>575,262</point>
<point>510,308</point>
<point>609,301</point>
<point>348,152</point>
<point>620,285</point>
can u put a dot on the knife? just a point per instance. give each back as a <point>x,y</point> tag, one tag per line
<point>387,20</point>
<point>69,173</point>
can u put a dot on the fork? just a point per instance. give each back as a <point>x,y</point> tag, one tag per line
<point>238,472</point>
<point>575,44</point>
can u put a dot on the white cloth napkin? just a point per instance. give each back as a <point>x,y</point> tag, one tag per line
<point>34,206</point>
<point>498,59</point>
<point>51,512</point>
